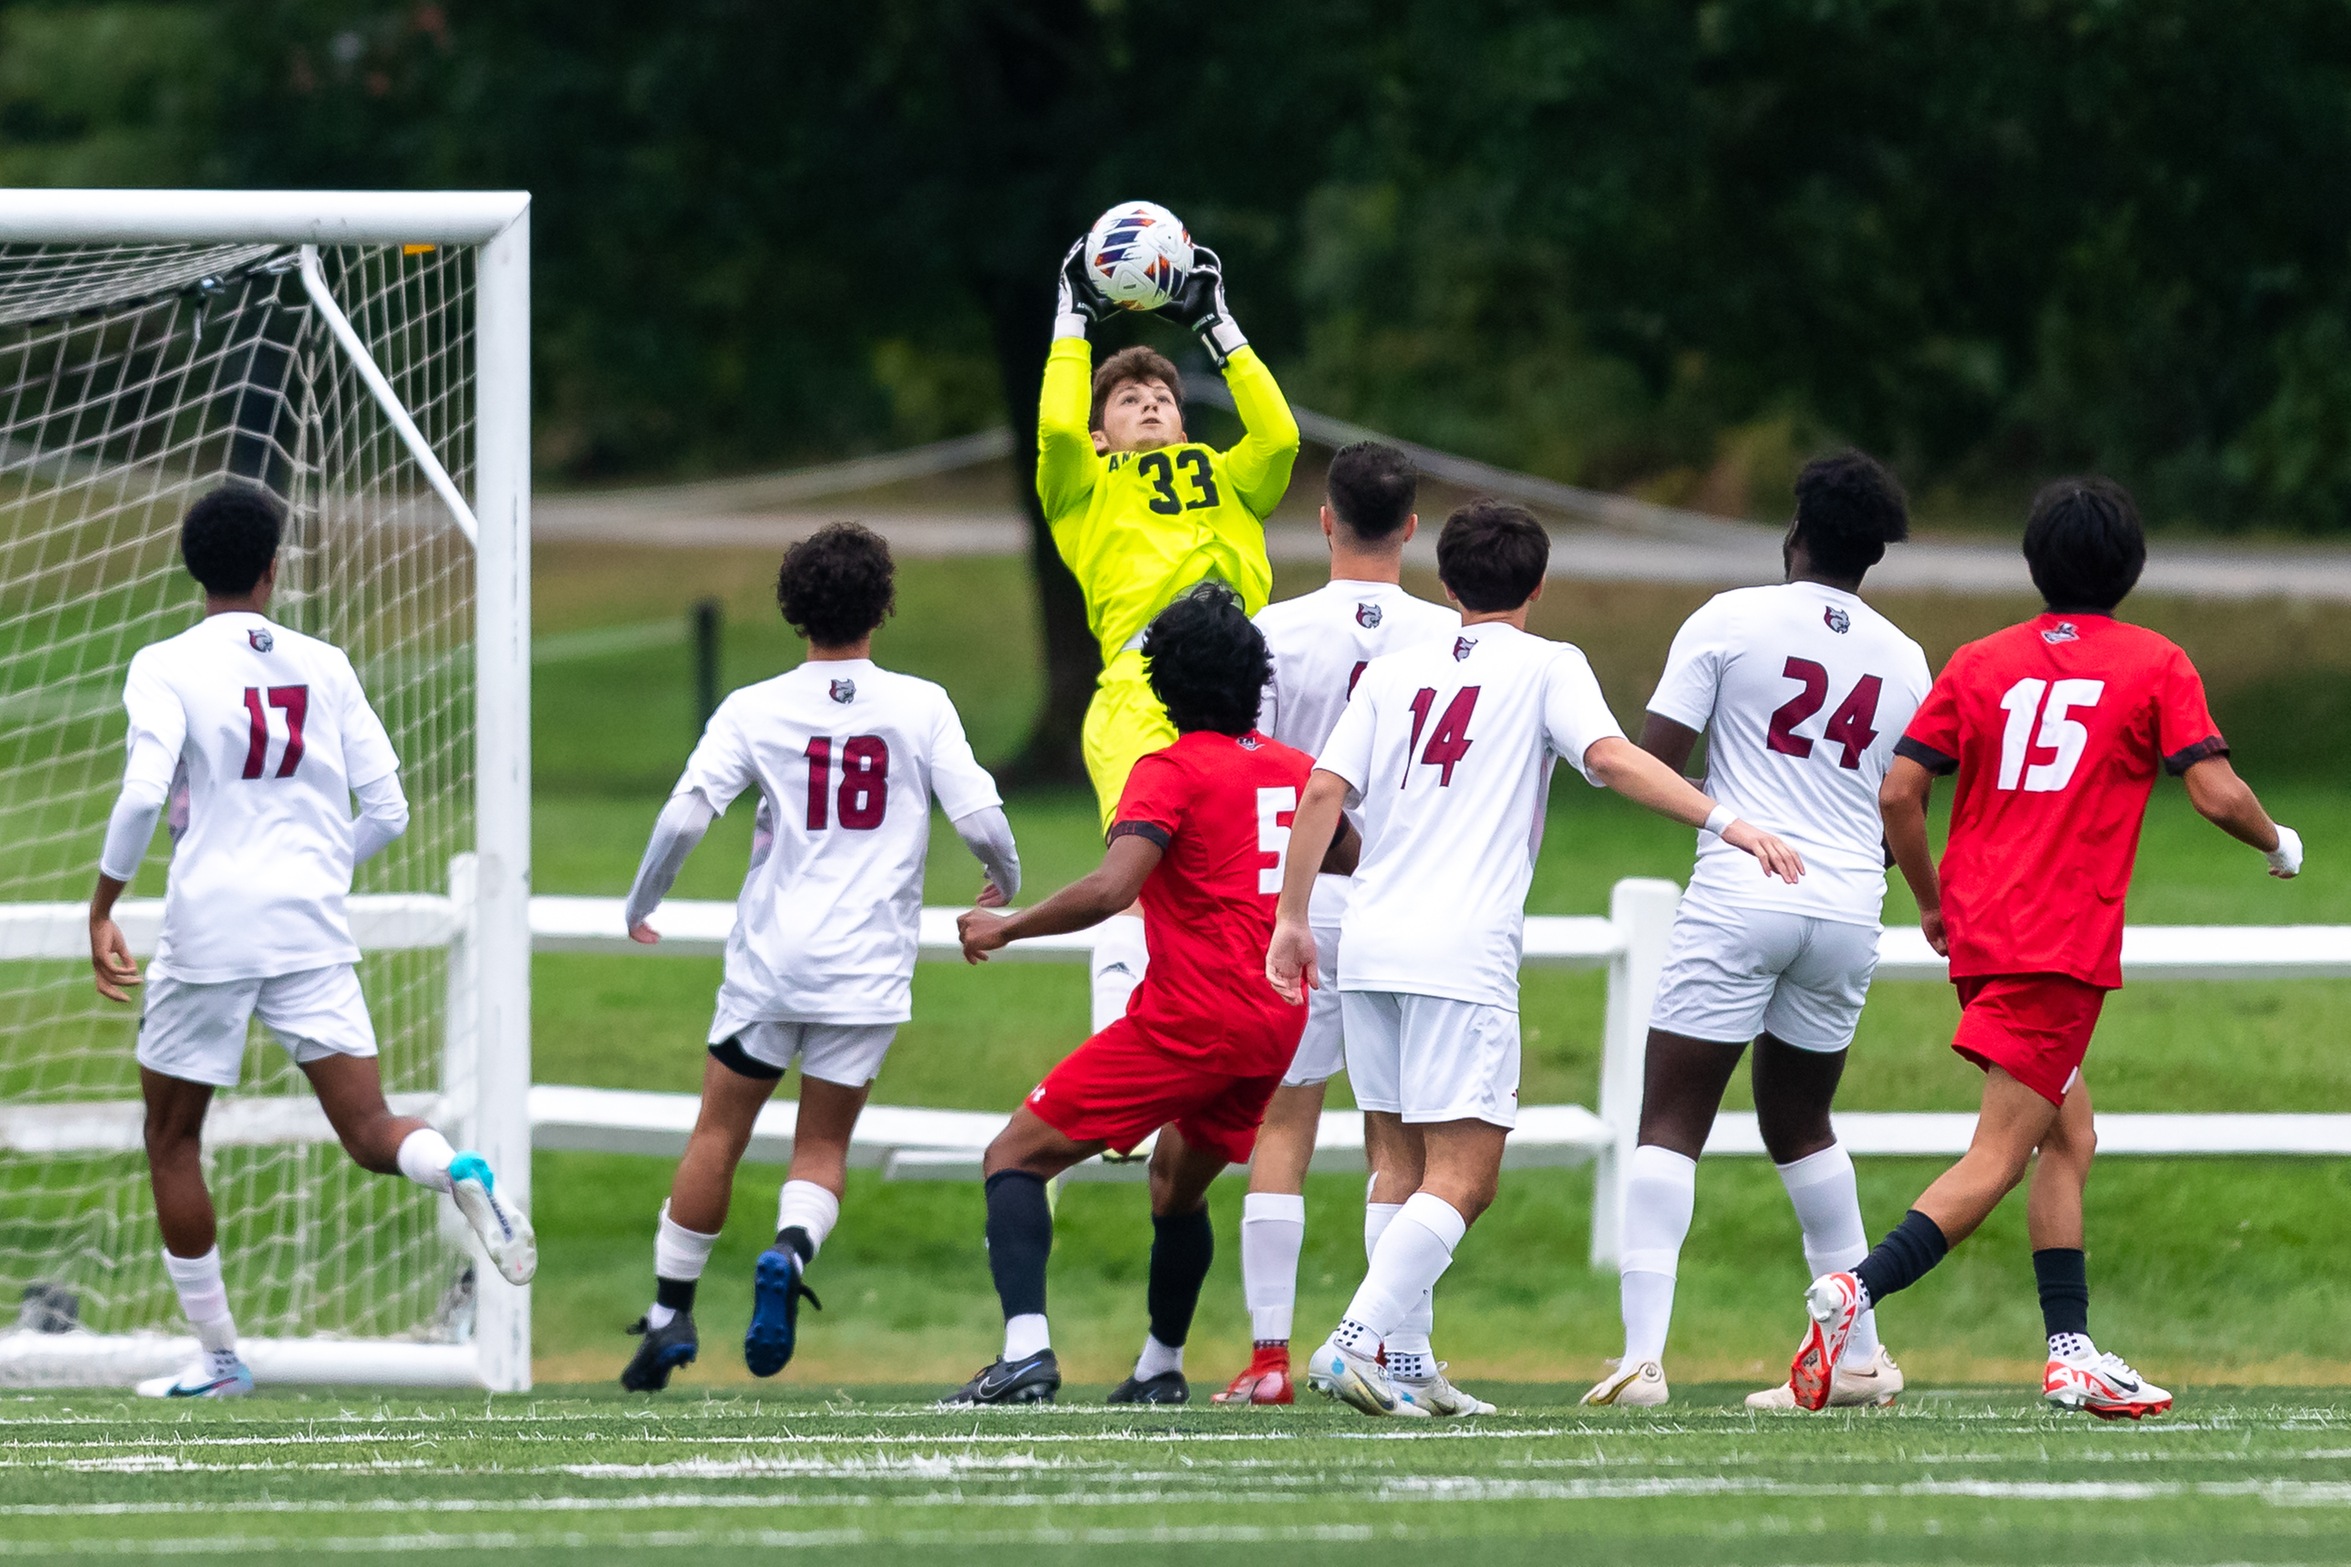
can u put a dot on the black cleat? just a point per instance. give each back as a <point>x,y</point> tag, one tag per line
<point>1031,1381</point>
<point>1169,1387</point>
<point>662,1352</point>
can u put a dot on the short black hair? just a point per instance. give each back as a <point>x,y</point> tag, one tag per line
<point>1207,662</point>
<point>1492,555</point>
<point>230,536</point>
<point>1372,488</point>
<point>837,584</point>
<point>1848,509</point>
<point>2084,544</point>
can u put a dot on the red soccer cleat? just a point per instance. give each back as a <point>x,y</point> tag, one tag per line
<point>1267,1381</point>
<point>1834,1303</point>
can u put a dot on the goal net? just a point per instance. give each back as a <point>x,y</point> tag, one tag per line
<point>135,377</point>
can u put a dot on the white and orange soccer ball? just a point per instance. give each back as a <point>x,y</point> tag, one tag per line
<point>1138,253</point>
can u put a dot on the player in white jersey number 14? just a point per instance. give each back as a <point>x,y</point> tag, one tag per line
<point>846,757</point>
<point>262,736</point>
<point>1801,690</point>
<point>1320,643</point>
<point>1446,749</point>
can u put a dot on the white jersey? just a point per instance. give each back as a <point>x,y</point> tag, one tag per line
<point>260,734</point>
<point>1321,642</point>
<point>1802,690</point>
<point>846,757</point>
<point>1447,751</point>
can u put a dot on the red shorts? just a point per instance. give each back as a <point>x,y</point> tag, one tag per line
<point>2034,1027</point>
<point>1119,1088</point>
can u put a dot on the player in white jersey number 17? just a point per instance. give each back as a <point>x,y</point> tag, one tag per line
<point>263,736</point>
<point>846,757</point>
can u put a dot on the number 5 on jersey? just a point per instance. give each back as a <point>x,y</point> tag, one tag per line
<point>864,794</point>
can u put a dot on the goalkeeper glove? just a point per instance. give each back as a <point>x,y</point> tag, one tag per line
<point>1200,305</point>
<point>1078,303</point>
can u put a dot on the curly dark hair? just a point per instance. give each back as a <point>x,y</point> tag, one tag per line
<point>230,536</point>
<point>1207,662</point>
<point>837,584</point>
<point>2084,544</point>
<point>1492,555</point>
<point>1848,509</point>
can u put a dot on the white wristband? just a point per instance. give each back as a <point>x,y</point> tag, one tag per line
<point>1070,325</point>
<point>2286,858</point>
<point>1719,820</point>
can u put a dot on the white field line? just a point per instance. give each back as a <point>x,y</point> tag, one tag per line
<point>687,1539</point>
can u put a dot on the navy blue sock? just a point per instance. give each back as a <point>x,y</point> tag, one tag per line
<point>1020,1238</point>
<point>1182,1246</point>
<point>1903,1257</point>
<point>2063,1274</point>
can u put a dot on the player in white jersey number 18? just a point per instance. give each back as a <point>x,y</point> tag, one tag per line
<point>1801,690</point>
<point>263,736</point>
<point>846,757</point>
<point>1446,749</point>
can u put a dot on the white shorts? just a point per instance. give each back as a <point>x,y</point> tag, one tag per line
<point>849,1054</point>
<point>196,1033</point>
<point>1322,1051</point>
<point>1431,1058</point>
<point>1731,974</point>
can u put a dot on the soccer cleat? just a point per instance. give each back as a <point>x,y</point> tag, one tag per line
<point>1031,1381</point>
<point>1440,1397</point>
<point>1637,1386</point>
<point>1834,1303</point>
<point>1872,1386</point>
<point>506,1234</point>
<point>776,1293</point>
<point>664,1350</point>
<point>2101,1385</point>
<point>1358,1381</point>
<point>1267,1381</point>
<point>1169,1387</point>
<point>216,1373</point>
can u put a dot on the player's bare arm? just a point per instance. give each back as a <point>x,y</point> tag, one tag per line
<point>1618,764</point>
<point>1669,742</point>
<point>2228,802</point>
<point>1902,801</point>
<point>1110,888</point>
<point>110,954</point>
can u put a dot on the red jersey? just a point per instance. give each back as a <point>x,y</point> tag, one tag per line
<point>1220,808</point>
<point>2056,728</point>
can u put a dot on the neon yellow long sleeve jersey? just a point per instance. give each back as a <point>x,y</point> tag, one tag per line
<point>1137,529</point>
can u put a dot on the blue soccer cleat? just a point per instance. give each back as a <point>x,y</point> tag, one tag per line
<point>776,1293</point>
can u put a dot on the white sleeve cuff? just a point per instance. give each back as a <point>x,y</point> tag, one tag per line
<point>129,830</point>
<point>987,832</point>
<point>1224,335</point>
<point>1719,819</point>
<point>2286,858</point>
<point>1069,325</point>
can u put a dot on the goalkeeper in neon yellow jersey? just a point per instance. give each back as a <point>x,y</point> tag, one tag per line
<point>1141,513</point>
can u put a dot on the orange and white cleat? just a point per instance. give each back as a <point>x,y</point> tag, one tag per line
<point>1835,1302</point>
<point>2101,1385</point>
<point>1267,1381</point>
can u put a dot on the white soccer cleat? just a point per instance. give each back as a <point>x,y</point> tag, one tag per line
<point>1360,1382</point>
<point>1870,1386</point>
<point>215,1373</point>
<point>1441,1398</point>
<point>1637,1386</point>
<point>1834,1303</point>
<point>506,1234</point>
<point>2101,1385</point>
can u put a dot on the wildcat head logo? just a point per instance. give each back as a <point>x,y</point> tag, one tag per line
<point>1837,620</point>
<point>2063,631</point>
<point>1367,616</point>
<point>1462,648</point>
<point>262,641</point>
<point>1248,742</point>
<point>844,691</point>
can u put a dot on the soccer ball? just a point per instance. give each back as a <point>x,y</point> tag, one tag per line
<point>1138,253</point>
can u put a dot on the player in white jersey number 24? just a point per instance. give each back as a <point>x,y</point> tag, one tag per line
<point>1801,690</point>
<point>1446,749</point>
<point>262,736</point>
<point>1320,643</point>
<point>846,757</point>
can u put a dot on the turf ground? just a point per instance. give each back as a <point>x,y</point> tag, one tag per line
<point>1963,1476</point>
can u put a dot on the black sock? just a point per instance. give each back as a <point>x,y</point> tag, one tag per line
<point>1903,1257</point>
<point>794,1238</point>
<point>676,1294</point>
<point>2064,1277</point>
<point>1020,1238</point>
<point>1182,1246</point>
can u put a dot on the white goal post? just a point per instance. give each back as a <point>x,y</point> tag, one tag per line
<point>367,356</point>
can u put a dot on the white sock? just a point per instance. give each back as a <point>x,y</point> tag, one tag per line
<point>424,1158</point>
<point>1828,1205</point>
<point>1413,1253</point>
<point>809,1207</point>
<point>204,1298</point>
<point>1660,1189</point>
<point>1025,1335</point>
<point>1119,959</point>
<point>679,1253</point>
<point>1413,1337</point>
<point>1157,1359</point>
<point>1377,1216</point>
<point>1273,1232</point>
